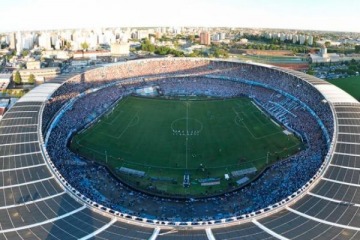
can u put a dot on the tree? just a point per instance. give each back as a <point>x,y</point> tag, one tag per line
<point>31,79</point>
<point>25,52</point>
<point>67,45</point>
<point>147,46</point>
<point>357,48</point>
<point>310,71</point>
<point>17,78</point>
<point>327,44</point>
<point>84,46</point>
<point>192,38</point>
<point>315,40</point>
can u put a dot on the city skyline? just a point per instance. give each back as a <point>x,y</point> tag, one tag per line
<point>25,15</point>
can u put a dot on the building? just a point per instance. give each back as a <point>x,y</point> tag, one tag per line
<point>243,41</point>
<point>120,49</point>
<point>311,40</point>
<point>205,38</point>
<point>33,65</point>
<point>41,74</point>
<point>12,41</point>
<point>323,56</point>
<point>295,38</point>
<point>282,37</point>
<point>222,36</point>
<point>152,39</point>
<point>78,63</point>
<point>45,41</point>
<point>302,39</point>
<point>124,36</point>
<point>28,40</point>
<point>58,44</point>
<point>142,34</point>
<point>19,42</point>
<point>268,35</point>
<point>4,81</point>
<point>4,103</point>
<point>66,35</point>
<point>332,43</point>
<point>93,55</point>
<point>4,51</point>
<point>59,54</point>
<point>216,37</point>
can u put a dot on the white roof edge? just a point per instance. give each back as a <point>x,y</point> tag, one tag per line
<point>334,95</point>
<point>40,93</point>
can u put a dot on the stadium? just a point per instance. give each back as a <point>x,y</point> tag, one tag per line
<point>51,192</point>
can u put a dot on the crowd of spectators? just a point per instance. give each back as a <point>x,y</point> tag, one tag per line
<point>188,77</point>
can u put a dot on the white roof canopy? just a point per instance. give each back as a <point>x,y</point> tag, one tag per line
<point>40,93</point>
<point>334,94</point>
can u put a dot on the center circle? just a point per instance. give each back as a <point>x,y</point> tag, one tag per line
<point>186,127</point>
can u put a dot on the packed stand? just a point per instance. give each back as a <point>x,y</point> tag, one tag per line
<point>95,182</point>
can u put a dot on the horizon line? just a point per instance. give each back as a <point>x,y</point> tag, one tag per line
<point>174,26</point>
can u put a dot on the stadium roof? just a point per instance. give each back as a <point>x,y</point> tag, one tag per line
<point>334,94</point>
<point>40,93</point>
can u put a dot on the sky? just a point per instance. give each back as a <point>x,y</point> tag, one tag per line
<point>332,15</point>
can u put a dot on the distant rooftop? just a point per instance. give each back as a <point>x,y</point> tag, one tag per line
<point>5,75</point>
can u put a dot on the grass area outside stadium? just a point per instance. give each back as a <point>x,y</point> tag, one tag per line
<point>162,140</point>
<point>350,85</point>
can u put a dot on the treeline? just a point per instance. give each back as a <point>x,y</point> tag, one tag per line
<point>214,51</point>
<point>18,80</point>
<point>353,67</point>
<point>261,46</point>
<point>160,50</point>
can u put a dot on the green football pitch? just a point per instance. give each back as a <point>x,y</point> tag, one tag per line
<point>163,139</point>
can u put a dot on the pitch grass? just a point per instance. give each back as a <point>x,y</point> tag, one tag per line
<point>350,85</point>
<point>167,138</point>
